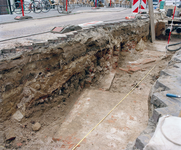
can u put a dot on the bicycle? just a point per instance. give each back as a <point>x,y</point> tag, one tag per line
<point>36,6</point>
<point>46,5</point>
<point>61,7</point>
<point>18,9</point>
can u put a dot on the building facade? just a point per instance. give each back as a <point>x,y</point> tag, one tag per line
<point>3,7</point>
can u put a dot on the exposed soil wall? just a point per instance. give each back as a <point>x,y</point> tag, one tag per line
<point>39,73</point>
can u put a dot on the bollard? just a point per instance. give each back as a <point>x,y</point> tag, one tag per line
<point>22,8</point>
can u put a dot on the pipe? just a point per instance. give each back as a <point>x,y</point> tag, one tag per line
<point>173,45</point>
<point>171,24</point>
<point>178,30</point>
<point>168,30</point>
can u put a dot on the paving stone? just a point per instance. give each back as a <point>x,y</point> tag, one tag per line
<point>36,126</point>
<point>22,17</point>
<point>130,146</point>
<point>159,100</point>
<point>159,84</point>
<point>10,134</point>
<point>18,115</point>
<point>52,40</point>
<point>177,65</point>
<point>71,28</point>
<point>108,79</point>
<point>1,137</point>
<point>177,58</point>
<point>74,32</point>
<point>56,29</point>
<point>168,82</point>
<point>176,72</point>
<point>145,136</point>
<point>62,37</point>
<point>69,35</point>
<point>157,113</point>
<point>43,43</point>
<point>142,140</point>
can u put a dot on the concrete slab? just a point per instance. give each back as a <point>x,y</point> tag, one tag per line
<point>107,81</point>
<point>22,17</point>
<point>124,124</point>
<point>84,25</point>
<point>18,115</point>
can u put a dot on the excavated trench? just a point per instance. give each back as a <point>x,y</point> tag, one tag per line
<point>42,83</point>
<point>38,73</point>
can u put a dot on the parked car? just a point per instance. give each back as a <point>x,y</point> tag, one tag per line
<point>155,2</point>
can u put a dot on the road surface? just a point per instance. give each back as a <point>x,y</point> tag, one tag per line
<point>29,27</point>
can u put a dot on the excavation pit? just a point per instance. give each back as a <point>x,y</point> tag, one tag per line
<point>62,86</point>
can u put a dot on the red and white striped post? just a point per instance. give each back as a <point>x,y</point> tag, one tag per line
<point>66,5</point>
<point>171,24</point>
<point>135,6</point>
<point>143,5</point>
<point>110,3</point>
<point>22,8</point>
<point>22,5</point>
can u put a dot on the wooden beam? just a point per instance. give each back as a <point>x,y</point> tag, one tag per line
<point>151,13</point>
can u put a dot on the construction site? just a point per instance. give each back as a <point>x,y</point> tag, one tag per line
<point>90,81</point>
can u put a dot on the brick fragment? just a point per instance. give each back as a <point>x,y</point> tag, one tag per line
<point>131,118</point>
<point>123,69</point>
<point>147,61</point>
<point>134,69</point>
<point>19,144</point>
<point>115,65</point>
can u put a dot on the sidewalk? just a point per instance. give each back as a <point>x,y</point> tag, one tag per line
<point>54,13</point>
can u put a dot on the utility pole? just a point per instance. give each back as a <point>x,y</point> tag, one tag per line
<point>130,3</point>
<point>152,24</point>
<point>9,3</point>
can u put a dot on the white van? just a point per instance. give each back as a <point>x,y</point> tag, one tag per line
<point>172,2</point>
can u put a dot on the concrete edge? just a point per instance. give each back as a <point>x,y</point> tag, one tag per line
<point>58,39</point>
<point>160,104</point>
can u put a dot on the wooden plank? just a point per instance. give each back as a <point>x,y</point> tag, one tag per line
<point>107,81</point>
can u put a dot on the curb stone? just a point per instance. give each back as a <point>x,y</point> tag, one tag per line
<point>169,82</point>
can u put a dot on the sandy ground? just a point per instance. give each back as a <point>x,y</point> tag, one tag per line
<point>64,125</point>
